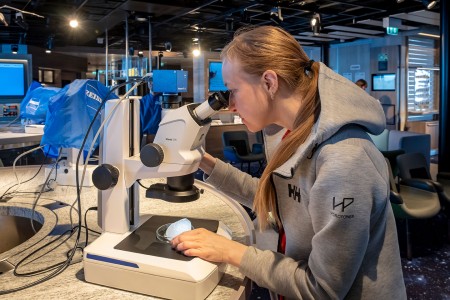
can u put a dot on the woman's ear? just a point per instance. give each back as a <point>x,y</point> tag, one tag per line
<point>270,81</point>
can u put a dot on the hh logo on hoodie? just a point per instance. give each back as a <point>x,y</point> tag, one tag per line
<point>294,192</point>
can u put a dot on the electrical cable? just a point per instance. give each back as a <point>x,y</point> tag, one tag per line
<point>13,121</point>
<point>85,224</point>
<point>139,182</point>
<point>34,176</point>
<point>60,267</point>
<point>107,118</point>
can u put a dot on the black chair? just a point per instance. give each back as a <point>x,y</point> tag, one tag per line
<point>414,166</point>
<point>417,200</point>
<point>237,149</point>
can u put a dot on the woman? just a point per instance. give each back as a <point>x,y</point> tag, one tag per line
<point>361,83</point>
<point>325,185</point>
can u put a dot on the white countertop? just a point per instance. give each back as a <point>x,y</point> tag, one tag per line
<point>54,209</point>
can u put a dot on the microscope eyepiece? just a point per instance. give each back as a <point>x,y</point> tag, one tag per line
<point>219,100</point>
<point>214,103</point>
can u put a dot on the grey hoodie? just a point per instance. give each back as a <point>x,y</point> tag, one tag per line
<point>333,201</point>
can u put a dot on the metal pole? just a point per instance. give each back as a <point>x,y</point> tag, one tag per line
<point>126,48</point>
<point>106,57</point>
<point>444,109</point>
<point>150,46</point>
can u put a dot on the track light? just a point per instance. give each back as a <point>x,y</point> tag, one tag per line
<point>20,21</point>
<point>49,47</point>
<point>229,24</point>
<point>168,46</point>
<point>14,49</point>
<point>429,4</point>
<point>275,15</point>
<point>315,24</point>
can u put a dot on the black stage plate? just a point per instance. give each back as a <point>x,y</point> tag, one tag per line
<point>143,240</point>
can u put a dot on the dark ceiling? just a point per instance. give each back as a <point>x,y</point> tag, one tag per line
<point>213,22</point>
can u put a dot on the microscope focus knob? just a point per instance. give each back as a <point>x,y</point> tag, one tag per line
<point>152,155</point>
<point>105,176</point>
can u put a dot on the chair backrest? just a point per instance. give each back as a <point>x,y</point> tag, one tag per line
<point>411,142</point>
<point>237,139</point>
<point>381,140</point>
<point>413,165</point>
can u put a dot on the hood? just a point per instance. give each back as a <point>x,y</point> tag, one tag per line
<point>342,103</point>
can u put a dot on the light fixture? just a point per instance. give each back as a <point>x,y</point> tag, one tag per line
<point>429,4</point>
<point>168,46</point>
<point>436,36</point>
<point>14,48</point>
<point>196,52</point>
<point>73,23</point>
<point>141,53</point>
<point>400,1</point>
<point>229,24</point>
<point>20,21</point>
<point>315,24</point>
<point>49,47</point>
<point>275,15</point>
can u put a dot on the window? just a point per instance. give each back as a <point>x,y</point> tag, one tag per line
<point>46,76</point>
<point>423,76</point>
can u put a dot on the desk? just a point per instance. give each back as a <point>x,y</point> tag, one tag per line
<point>54,208</point>
<point>15,137</point>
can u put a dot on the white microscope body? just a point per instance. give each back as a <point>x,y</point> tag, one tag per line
<point>126,255</point>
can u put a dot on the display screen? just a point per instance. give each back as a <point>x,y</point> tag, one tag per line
<point>12,79</point>
<point>383,82</point>
<point>215,77</point>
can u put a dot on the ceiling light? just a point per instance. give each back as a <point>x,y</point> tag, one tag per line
<point>400,1</point>
<point>430,35</point>
<point>429,4</point>
<point>196,52</point>
<point>14,49</point>
<point>3,20</point>
<point>275,15</point>
<point>73,23</point>
<point>315,24</point>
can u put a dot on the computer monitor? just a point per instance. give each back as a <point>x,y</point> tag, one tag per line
<point>383,82</point>
<point>215,77</point>
<point>13,79</point>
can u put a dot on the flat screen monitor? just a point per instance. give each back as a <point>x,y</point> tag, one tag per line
<point>13,78</point>
<point>215,77</point>
<point>383,82</point>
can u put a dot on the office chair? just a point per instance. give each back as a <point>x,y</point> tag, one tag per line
<point>237,149</point>
<point>414,166</point>
<point>417,200</point>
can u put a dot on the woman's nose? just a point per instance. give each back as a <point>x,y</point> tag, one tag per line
<point>231,106</point>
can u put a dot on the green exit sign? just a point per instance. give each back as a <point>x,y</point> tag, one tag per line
<point>392,30</point>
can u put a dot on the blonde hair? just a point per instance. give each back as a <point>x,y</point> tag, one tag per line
<point>270,48</point>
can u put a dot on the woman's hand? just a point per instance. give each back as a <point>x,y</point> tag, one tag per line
<point>209,246</point>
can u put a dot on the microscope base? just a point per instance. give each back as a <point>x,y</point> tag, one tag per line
<point>136,261</point>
